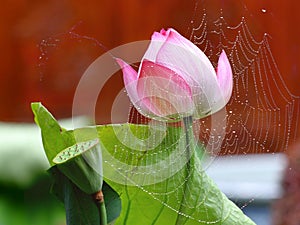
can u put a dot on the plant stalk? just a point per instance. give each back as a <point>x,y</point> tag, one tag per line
<point>188,130</point>
<point>99,198</point>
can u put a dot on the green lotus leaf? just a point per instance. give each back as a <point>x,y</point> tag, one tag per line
<point>187,196</point>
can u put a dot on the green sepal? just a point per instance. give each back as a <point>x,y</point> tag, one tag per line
<point>81,208</point>
<point>82,164</point>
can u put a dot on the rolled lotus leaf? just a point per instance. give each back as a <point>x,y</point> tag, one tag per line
<point>82,164</point>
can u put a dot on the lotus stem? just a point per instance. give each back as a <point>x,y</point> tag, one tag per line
<point>188,131</point>
<point>99,198</point>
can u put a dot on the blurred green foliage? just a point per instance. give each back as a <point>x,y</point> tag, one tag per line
<point>31,205</point>
<point>24,182</point>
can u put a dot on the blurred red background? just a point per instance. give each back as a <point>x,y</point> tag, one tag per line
<point>41,61</point>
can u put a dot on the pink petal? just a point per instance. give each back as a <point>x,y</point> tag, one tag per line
<point>178,39</point>
<point>129,74</point>
<point>157,40</point>
<point>224,76</point>
<point>130,78</point>
<point>181,54</point>
<point>164,91</point>
<point>161,36</point>
<point>191,63</point>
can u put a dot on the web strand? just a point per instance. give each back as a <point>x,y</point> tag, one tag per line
<point>262,111</point>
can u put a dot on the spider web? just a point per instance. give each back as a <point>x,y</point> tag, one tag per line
<point>262,113</point>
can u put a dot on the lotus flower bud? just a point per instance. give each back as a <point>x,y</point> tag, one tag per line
<point>176,79</point>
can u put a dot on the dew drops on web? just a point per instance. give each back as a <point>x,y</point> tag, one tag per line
<point>262,111</point>
<point>261,114</point>
<point>263,10</point>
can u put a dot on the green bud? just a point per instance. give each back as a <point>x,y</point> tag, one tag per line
<point>82,164</point>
